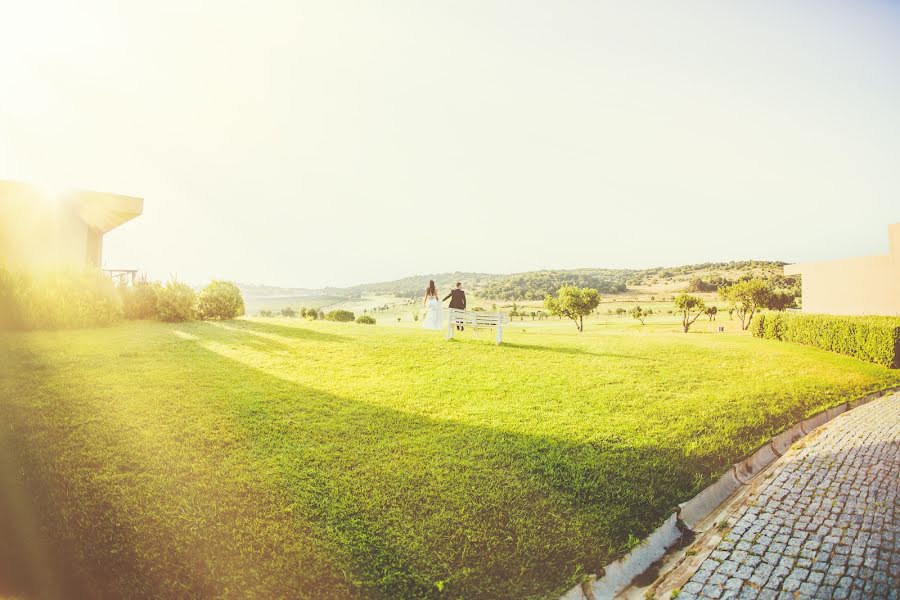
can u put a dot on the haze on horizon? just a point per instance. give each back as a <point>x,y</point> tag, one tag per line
<point>311,144</point>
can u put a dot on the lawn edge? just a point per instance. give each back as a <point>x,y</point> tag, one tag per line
<point>693,515</point>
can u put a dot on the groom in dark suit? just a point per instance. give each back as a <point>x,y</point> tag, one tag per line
<point>457,300</point>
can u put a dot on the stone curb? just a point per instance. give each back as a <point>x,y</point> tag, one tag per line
<point>619,574</point>
<point>697,508</point>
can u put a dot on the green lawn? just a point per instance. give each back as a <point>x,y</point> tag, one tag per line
<point>283,458</point>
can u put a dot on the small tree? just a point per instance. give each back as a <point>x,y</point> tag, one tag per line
<point>287,311</point>
<point>747,296</point>
<point>574,303</point>
<point>690,307</point>
<point>638,313</point>
<point>711,312</point>
<point>416,316</point>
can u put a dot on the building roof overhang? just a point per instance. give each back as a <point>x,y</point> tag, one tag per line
<point>104,211</point>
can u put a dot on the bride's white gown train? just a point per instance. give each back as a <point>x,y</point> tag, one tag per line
<point>432,314</point>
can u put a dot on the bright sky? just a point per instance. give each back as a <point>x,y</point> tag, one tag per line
<point>313,143</point>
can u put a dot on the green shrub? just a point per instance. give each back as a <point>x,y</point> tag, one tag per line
<point>176,302</point>
<point>365,320</point>
<point>14,291</point>
<point>343,316</point>
<point>57,299</point>
<point>265,313</point>
<point>220,300</point>
<point>139,300</point>
<point>287,311</point>
<point>874,339</point>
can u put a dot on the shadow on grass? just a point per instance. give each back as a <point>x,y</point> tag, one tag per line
<point>308,493</point>
<point>289,331</point>
<point>573,350</point>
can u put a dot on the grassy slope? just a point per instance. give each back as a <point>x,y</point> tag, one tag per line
<point>281,458</point>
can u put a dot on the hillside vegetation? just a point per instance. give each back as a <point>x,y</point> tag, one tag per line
<point>534,285</point>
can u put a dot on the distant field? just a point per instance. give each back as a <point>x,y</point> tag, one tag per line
<point>253,305</point>
<point>282,458</point>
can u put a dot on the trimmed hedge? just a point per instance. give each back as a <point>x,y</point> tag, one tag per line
<point>874,339</point>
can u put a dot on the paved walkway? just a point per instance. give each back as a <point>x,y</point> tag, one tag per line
<point>825,524</point>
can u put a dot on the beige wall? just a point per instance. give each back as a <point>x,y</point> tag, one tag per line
<point>869,285</point>
<point>41,230</point>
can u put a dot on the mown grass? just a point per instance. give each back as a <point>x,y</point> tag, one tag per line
<point>283,458</point>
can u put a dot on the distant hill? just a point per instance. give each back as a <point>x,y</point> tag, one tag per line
<point>270,291</point>
<point>269,297</point>
<point>414,286</point>
<point>534,285</point>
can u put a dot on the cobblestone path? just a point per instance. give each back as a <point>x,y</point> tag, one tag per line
<point>825,524</point>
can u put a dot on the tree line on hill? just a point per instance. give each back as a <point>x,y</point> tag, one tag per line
<point>646,276</point>
<point>535,285</point>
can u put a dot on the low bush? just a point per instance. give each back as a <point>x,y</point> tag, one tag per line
<point>176,302</point>
<point>343,316</point>
<point>14,291</point>
<point>874,339</point>
<point>139,300</point>
<point>57,300</point>
<point>365,320</point>
<point>220,300</point>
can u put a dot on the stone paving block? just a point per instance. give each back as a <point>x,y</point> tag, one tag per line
<point>823,524</point>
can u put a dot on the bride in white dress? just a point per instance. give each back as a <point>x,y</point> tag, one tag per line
<point>432,308</point>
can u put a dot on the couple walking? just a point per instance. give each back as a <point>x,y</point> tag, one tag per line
<point>433,305</point>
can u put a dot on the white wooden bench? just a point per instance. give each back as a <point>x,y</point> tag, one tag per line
<point>476,319</point>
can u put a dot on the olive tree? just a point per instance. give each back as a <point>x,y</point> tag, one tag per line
<point>574,303</point>
<point>690,307</point>
<point>747,297</point>
<point>638,313</point>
